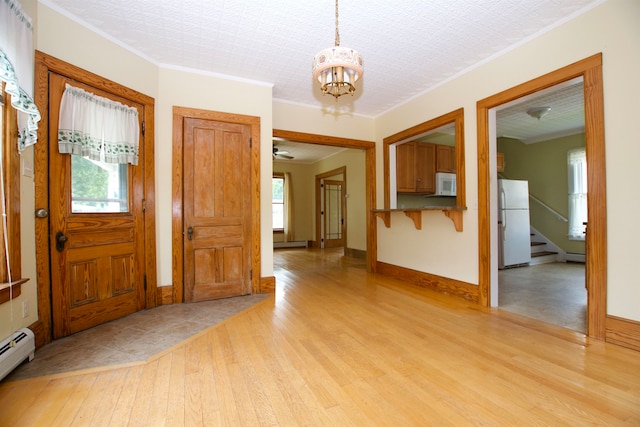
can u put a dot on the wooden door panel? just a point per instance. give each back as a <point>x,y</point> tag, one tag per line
<point>99,252</point>
<point>204,180</point>
<point>204,260</point>
<point>123,274</point>
<point>91,239</point>
<point>83,287</point>
<point>218,233</point>
<point>217,209</point>
<point>233,176</point>
<point>87,315</point>
<point>232,264</point>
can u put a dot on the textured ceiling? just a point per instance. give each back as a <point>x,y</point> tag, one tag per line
<point>565,117</point>
<point>409,46</point>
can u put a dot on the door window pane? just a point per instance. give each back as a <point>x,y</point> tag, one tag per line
<point>333,211</point>
<point>98,187</point>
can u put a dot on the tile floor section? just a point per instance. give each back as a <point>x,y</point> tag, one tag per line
<point>553,293</point>
<point>133,338</point>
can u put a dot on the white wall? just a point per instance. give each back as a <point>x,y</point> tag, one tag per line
<point>196,90</point>
<point>611,28</point>
<point>298,118</point>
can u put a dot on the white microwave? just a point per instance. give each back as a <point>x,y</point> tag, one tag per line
<point>445,184</point>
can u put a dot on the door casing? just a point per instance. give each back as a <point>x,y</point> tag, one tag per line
<point>43,65</point>
<point>590,69</point>
<point>370,177</point>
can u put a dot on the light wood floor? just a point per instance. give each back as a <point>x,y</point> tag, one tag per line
<point>336,347</point>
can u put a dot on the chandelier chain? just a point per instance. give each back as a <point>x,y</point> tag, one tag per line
<point>337,32</point>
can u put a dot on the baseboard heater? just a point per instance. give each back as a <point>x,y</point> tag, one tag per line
<point>573,257</point>
<point>300,244</point>
<point>12,355</point>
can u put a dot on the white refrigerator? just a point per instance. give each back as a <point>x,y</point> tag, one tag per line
<point>514,233</point>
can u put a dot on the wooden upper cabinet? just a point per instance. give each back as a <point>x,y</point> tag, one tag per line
<point>445,158</point>
<point>415,168</point>
<point>405,167</point>
<point>500,162</point>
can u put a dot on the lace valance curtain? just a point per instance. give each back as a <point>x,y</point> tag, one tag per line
<point>98,128</point>
<point>17,68</point>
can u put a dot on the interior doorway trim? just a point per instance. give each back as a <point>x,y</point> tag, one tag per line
<point>590,69</point>
<point>44,64</point>
<point>370,176</point>
<point>179,114</point>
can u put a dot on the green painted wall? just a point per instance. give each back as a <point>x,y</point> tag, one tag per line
<point>544,165</point>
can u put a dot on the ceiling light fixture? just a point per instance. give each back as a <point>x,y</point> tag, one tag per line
<point>337,68</point>
<point>538,112</point>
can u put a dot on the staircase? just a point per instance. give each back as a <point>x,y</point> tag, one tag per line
<point>543,251</point>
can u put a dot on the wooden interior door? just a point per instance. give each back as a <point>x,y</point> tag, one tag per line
<point>333,212</point>
<point>217,209</point>
<point>97,258</point>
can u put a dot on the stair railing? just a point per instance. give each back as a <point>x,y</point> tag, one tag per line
<point>549,208</point>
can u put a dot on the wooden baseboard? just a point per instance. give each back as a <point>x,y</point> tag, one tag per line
<point>623,332</point>
<point>164,295</point>
<point>441,284</point>
<point>267,285</point>
<point>355,253</point>
<point>39,335</point>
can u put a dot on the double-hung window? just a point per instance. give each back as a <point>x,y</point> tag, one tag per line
<point>277,202</point>
<point>577,184</point>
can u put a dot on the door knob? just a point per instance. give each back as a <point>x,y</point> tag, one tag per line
<point>190,233</point>
<point>42,213</point>
<point>61,239</point>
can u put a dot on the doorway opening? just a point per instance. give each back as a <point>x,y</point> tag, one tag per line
<point>590,70</point>
<point>331,224</point>
<point>369,188</point>
<point>540,254</point>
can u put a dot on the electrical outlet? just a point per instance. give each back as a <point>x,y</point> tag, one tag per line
<point>25,309</point>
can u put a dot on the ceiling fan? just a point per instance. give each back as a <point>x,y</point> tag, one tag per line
<point>277,154</point>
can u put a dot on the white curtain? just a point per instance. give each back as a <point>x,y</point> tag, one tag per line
<point>289,231</point>
<point>98,128</point>
<point>577,184</point>
<point>17,68</point>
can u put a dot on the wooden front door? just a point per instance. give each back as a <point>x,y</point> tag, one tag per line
<point>97,242</point>
<point>217,209</point>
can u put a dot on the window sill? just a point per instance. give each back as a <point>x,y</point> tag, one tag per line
<point>11,290</point>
